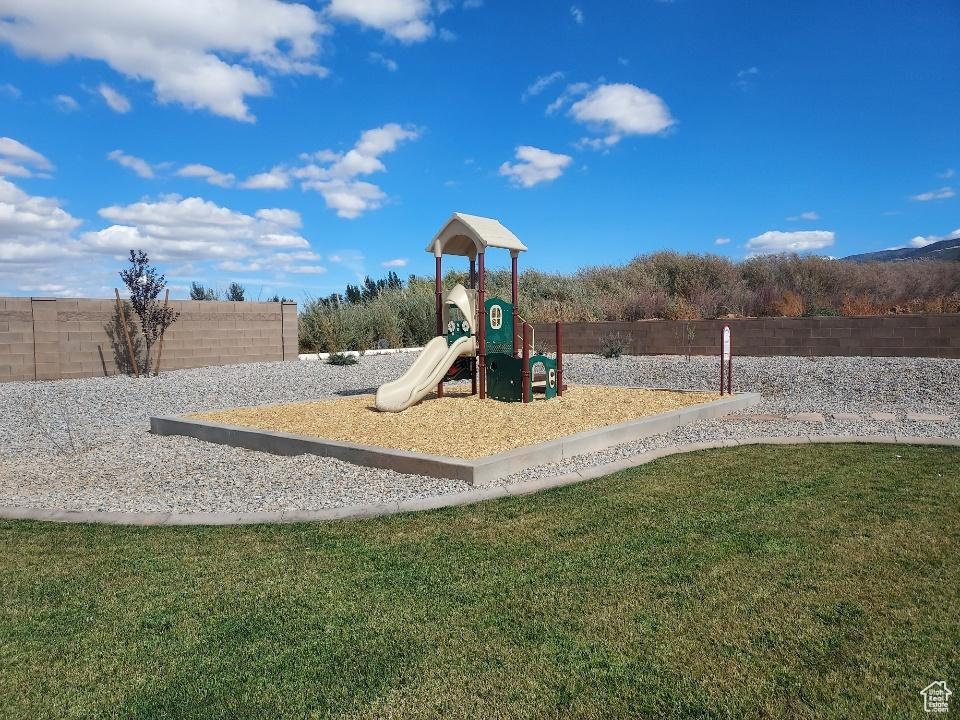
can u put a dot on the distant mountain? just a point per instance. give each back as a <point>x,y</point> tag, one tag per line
<point>942,250</point>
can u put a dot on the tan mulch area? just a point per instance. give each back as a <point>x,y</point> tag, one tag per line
<point>458,424</point>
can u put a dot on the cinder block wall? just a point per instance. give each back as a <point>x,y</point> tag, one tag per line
<point>48,338</point>
<point>887,335</point>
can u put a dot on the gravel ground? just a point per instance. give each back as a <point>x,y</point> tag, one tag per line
<point>85,445</point>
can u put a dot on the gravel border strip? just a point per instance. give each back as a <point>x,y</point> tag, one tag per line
<point>440,501</point>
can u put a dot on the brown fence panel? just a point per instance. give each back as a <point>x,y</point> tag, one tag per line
<point>882,336</point>
<point>52,338</point>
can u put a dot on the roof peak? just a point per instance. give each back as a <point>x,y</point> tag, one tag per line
<point>467,235</point>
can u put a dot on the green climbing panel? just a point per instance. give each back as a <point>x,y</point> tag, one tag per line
<point>505,381</point>
<point>503,377</point>
<point>543,370</point>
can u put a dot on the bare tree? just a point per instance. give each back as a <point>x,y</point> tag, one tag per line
<point>145,285</point>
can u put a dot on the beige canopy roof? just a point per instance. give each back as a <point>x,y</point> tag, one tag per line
<point>469,234</point>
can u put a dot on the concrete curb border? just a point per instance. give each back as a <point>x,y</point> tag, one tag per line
<point>477,472</point>
<point>469,497</point>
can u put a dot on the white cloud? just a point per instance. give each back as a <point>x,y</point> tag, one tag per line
<point>577,14</point>
<point>320,156</point>
<point>946,174</point>
<point>622,109</point>
<point>297,263</point>
<point>276,179</point>
<point>305,269</point>
<point>395,263</point>
<point>570,92</point>
<point>65,103</point>
<point>534,166</point>
<point>745,77</point>
<point>32,228</point>
<point>922,241</point>
<point>381,59</point>
<point>10,90</point>
<point>117,101</point>
<point>281,216</point>
<point>809,215</point>
<point>721,241</point>
<point>447,35</point>
<point>191,229</point>
<point>603,143</point>
<point>472,4</point>
<point>541,84</point>
<point>18,160</point>
<point>198,54</point>
<point>941,194</point>
<point>776,241</point>
<point>212,176</point>
<point>140,166</point>
<point>353,260</point>
<point>405,20</point>
<point>338,183</point>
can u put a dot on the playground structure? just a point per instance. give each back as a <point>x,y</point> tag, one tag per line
<point>484,339</point>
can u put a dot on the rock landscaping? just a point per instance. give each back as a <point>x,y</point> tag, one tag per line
<point>85,445</point>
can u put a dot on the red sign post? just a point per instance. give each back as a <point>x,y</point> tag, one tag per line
<point>726,361</point>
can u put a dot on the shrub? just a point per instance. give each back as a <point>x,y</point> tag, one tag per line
<point>791,305</point>
<point>661,285</point>
<point>860,305</point>
<point>613,345</point>
<point>342,359</point>
<point>816,311</point>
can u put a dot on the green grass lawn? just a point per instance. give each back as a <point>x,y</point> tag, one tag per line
<point>801,581</point>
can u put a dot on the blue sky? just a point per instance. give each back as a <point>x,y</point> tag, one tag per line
<point>294,147</point>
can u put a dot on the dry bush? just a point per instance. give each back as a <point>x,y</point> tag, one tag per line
<point>661,285</point>
<point>680,309</point>
<point>791,304</point>
<point>860,305</point>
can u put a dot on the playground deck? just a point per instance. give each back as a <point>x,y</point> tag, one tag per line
<point>460,425</point>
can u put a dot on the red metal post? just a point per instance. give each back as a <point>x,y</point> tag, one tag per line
<point>473,361</point>
<point>438,285</point>
<point>525,367</point>
<point>439,289</point>
<point>481,329</point>
<point>559,358</point>
<point>514,298</point>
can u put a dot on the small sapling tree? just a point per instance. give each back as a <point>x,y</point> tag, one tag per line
<point>235,292</point>
<point>199,292</point>
<point>145,285</point>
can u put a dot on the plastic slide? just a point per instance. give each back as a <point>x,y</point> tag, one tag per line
<point>422,377</point>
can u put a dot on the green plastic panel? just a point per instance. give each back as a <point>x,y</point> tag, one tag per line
<point>504,380</point>
<point>543,365</point>
<point>457,326</point>
<point>499,338</point>
<point>503,377</point>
